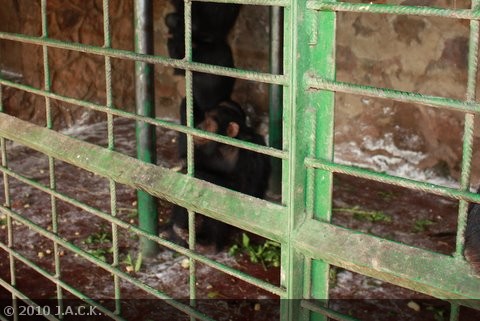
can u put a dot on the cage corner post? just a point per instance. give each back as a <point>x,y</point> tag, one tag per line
<point>145,106</point>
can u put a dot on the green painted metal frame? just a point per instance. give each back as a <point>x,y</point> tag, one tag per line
<point>393,262</point>
<point>275,96</point>
<point>310,244</point>
<point>145,106</point>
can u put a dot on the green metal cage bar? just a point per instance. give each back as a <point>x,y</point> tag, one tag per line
<point>21,296</point>
<point>322,102</point>
<point>154,121</point>
<point>145,106</point>
<point>278,3</point>
<point>339,246</point>
<point>113,220</point>
<point>190,148</point>
<point>109,268</point>
<point>289,257</point>
<point>164,61</point>
<point>6,189</point>
<point>51,162</point>
<point>320,5</point>
<point>309,242</point>
<point>321,83</point>
<point>467,150</point>
<point>275,96</point>
<point>468,131</point>
<point>163,183</point>
<point>106,266</point>
<point>184,308</point>
<point>318,83</point>
<point>111,146</point>
<point>393,180</point>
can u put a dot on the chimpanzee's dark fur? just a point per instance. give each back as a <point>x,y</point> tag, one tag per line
<point>472,236</point>
<point>211,24</point>
<point>248,173</point>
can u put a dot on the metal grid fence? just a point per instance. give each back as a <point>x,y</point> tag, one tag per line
<point>301,224</point>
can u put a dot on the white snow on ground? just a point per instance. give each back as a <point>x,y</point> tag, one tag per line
<point>389,159</point>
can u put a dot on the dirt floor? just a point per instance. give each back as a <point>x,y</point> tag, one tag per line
<point>413,218</point>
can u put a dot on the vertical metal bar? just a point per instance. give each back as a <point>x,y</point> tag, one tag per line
<point>468,131</point>
<point>297,130</point>
<point>190,148</point>
<point>6,188</point>
<point>51,161</point>
<point>276,108</point>
<point>292,261</point>
<point>146,139</point>
<point>111,146</point>
<point>6,191</point>
<point>467,151</point>
<point>322,60</point>
<point>188,84</point>
<point>454,312</point>
<point>310,192</point>
<point>108,72</point>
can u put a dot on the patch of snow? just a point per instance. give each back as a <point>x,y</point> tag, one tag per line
<point>388,158</point>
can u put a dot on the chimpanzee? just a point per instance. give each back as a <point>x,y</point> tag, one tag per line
<point>208,89</point>
<point>472,236</point>
<point>211,22</point>
<point>248,171</point>
<point>231,167</point>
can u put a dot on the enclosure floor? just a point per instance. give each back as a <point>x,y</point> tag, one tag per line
<point>413,218</point>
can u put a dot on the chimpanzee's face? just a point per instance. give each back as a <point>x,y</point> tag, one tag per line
<point>209,124</point>
<point>218,122</point>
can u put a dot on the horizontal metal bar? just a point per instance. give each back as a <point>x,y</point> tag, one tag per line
<point>400,264</point>
<point>320,5</point>
<point>249,213</point>
<point>314,82</point>
<point>279,3</point>
<point>165,61</point>
<point>326,311</point>
<point>388,179</point>
<point>158,122</point>
<point>69,246</point>
<point>53,279</point>
<point>132,228</point>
